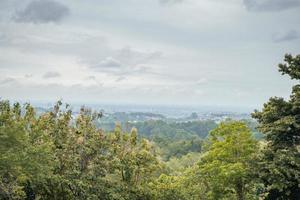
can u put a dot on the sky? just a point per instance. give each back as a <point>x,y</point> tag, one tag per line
<point>166,52</point>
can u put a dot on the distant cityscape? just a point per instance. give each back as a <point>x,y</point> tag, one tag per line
<point>137,113</point>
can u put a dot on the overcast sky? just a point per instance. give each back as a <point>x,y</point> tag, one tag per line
<point>188,52</point>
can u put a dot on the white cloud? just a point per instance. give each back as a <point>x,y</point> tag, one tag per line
<point>190,52</point>
<point>52,74</point>
<point>108,62</point>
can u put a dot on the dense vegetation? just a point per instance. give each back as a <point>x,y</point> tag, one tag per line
<point>54,155</point>
<point>171,138</point>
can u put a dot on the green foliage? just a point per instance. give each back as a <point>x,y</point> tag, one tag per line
<point>280,122</point>
<point>226,166</point>
<point>253,126</point>
<point>174,130</point>
<point>222,172</point>
<point>177,166</point>
<point>25,151</point>
<point>53,156</point>
<point>291,66</point>
<point>166,187</point>
<point>186,186</point>
<point>176,139</point>
<point>134,160</point>
<point>179,148</point>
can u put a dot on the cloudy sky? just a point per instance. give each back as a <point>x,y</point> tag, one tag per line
<point>186,52</point>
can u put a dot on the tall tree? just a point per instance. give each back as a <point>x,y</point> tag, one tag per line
<point>279,120</point>
<point>25,152</point>
<point>225,167</point>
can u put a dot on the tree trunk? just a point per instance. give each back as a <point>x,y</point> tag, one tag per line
<point>239,191</point>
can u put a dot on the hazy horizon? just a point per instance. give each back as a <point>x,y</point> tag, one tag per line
<point>140,107</point>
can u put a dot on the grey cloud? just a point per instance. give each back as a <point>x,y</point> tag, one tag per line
<point>120,70</point>
<point>3,38</point>
<point>201,81</point>
<point>28,75</point>
<point>42,11</point>
<point>51,75</point>
<point>168,2</point>
<point>133,57</point>
<point>108,62</point>
<point>121,78</point>
<point>8,80</point>
<point>291,35</point>
<point>112,66</point>
<point>127,62</point>
<point>94,79</point>
<point>7,8</point>
<point>90,78</point>
<point>270,5</point>
<point>141,69</point>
